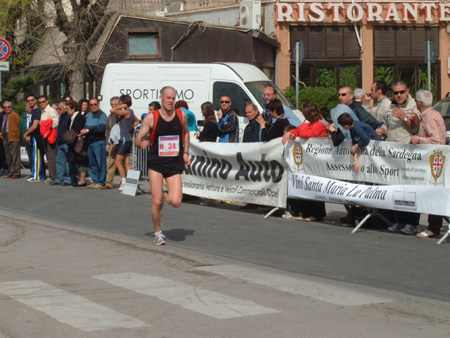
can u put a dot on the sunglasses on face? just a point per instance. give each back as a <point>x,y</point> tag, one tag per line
<point>31,100</point>
<point>93,104</point>
<point>224,101</point>
<point>6,107</point>
<point>42,101</point>
<point>400,92</point>
<point>342,94</point>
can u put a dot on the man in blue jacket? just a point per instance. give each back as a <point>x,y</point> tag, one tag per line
<point>346,97</point>
<point>228,121</point>
<point>94,133</point>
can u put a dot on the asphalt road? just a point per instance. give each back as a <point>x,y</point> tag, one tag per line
<point>77,262</point>
<point>370,257</point>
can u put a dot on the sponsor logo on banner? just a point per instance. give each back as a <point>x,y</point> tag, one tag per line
<point>237,172</point>
<point>405,200</point>
<point>437,161</point>
<point>297,152</point>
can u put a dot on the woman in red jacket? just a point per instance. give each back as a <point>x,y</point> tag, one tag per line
<point>312,211</point>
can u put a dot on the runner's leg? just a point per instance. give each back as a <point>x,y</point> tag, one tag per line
<point>120,159</point>
<point>175,194</point>
<point>156,184</point>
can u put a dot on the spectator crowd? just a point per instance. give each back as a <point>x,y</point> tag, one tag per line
<point>78,138</point>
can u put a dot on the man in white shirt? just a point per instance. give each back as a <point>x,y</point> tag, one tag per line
<point>381,104</point>
<point>51,150</point>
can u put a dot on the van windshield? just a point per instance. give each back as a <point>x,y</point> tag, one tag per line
<point>257,88</point>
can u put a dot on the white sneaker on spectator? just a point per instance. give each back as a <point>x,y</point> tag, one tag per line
<point>427,234</point>
<point>122,186</point>
<point>287,215</point>
<point>159,238</point>
<point>396,227</point>
<point>409,229</point>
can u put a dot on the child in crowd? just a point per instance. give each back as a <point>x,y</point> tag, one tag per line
<point>311,211</point>
<point>360,132</point>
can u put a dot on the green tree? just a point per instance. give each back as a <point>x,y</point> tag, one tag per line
<point>384,74</point>
<point>325,98</point>
<point>348,77</point>
<point>19,86</point>
<point>325,77</point>
<point>81,35</point>
<point>22,23</point>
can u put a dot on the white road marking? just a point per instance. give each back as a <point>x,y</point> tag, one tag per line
<point>321,291</point>
<point>67,308</point>
<point>197,299</point>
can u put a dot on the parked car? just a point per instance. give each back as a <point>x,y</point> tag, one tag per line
<point>443,106</point>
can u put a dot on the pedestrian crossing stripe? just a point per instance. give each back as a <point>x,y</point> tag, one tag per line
<point>189,297</point>
<point>67,308</point>
<point>327,292</point>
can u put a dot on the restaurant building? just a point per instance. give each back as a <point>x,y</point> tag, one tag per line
<point>354,43</point>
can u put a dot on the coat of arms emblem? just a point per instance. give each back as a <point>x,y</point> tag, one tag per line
<point>297,152</point>
<point>437,161</point>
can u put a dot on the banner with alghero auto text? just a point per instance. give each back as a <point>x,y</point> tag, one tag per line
<point>381,162</point>
<point>238,172</point>
<point>412,198</point>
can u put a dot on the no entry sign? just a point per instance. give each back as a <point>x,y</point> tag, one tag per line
<point>5,49</point>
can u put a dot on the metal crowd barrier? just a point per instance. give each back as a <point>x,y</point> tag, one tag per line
<point>139,158</point>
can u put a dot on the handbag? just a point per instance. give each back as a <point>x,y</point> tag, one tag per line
<point>80,148</point>
<point>114,136</point>
<point>70,137</point>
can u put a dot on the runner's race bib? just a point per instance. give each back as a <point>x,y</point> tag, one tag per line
<point>169,145</point>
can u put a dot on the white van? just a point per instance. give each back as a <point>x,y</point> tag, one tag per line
<point>195,83</point>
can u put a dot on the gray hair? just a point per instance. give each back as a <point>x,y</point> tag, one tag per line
<point>425,97</point>
<point>10,103</point>
<point>359,93</point>
<point>114,98</point>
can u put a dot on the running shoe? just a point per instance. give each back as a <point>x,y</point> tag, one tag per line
<point>396,227</point>
<point>159,238</point>
<point>427,234</point>
<point>287,215</point>
<point>409,229</point>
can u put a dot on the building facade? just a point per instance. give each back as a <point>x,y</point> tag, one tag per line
<point>358,42</point>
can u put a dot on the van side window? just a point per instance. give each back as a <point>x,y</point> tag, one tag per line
<point>143,44</point>
<point>239,98</point>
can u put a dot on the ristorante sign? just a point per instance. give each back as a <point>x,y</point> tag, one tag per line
<point>356,12</point>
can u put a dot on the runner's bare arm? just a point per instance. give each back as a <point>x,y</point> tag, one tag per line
<point>187,140</point>
<point>121,110</point>
<point>147,125</point>
<point>136,122</point>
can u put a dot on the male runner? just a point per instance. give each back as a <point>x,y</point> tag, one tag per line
<point>167,156</point>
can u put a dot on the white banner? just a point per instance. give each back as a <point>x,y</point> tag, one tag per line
<point>238,172</point>
<point>413,198</point>
<point>381,162</point>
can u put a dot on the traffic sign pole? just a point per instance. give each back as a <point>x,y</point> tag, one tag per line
<point>5,52</point>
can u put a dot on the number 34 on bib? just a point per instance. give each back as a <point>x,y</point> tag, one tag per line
<point>169,145</point>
